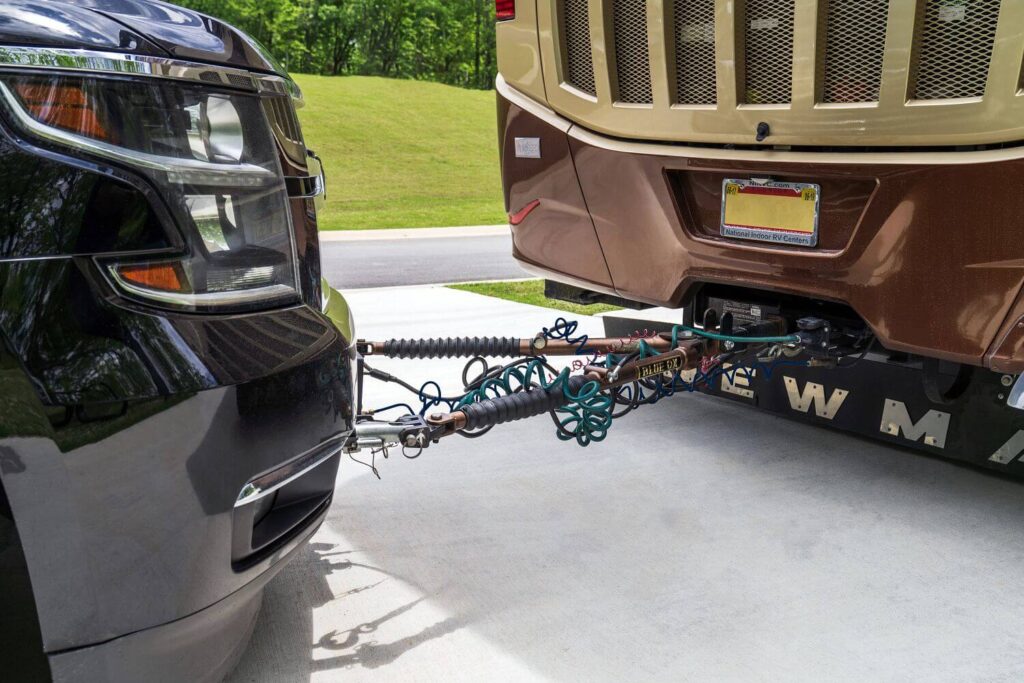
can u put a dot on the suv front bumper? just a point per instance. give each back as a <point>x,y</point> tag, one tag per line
<point>144,555</point>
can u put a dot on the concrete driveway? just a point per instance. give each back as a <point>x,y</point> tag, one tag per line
<point>701,541</point>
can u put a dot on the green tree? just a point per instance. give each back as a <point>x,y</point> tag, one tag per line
<point>450,41</point>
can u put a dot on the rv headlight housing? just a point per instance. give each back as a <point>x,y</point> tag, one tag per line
<point>210,153</point>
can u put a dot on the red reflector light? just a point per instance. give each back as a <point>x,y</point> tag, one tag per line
<point>504,9</point>
<point>520,216</point>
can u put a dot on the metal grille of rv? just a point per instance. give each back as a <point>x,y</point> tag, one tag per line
<point>579,68</point>
<point>854,48</point>
<point>632,56</point>
<point>768,51</point>
<point>712,70</point>
<point>694,25</point>
<point>954,48</point>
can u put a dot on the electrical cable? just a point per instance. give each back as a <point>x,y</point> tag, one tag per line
<point>858,359</point>
<point>563,330</point>
<point>385,409</point>
<point>787,339</point>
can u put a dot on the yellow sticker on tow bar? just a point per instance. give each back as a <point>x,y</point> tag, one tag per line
<point>656,366</point>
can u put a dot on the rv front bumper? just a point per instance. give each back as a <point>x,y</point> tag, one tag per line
<point>924,246</point>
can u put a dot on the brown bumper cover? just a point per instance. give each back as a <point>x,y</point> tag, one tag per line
<point>931,256</point>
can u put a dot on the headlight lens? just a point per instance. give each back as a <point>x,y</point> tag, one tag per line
<point>215,131</point>
<point>211,155</point>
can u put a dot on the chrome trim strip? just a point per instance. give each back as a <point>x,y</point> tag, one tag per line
<point>1016,397</point>
<point>263,486</point>
<point>545,114</point>
<point>56,59</point>
<point>647,148</point>
<point>276,85</point>
<point>305,187</point>
<point>312,186</point>
<point>230,298</point>
<point>316,166</point>
<point>120,63</point>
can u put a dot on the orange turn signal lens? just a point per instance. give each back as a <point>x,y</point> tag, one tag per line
<point>63,106</point>
<point>168,277</point>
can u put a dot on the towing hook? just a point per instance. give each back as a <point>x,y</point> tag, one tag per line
<point>409,431</point>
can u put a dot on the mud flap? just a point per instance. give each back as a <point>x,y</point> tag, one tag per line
<point>891,402</point>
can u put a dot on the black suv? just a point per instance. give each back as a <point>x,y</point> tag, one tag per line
<point>173,399</point>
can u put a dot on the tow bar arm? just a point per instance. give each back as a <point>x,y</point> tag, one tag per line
<point>641,358</point>
<point>610,377</point>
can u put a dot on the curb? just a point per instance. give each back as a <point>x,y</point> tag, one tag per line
<point>441,285</point>
<point>413,233</point>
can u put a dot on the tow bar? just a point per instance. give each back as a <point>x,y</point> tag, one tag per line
<point>610,377</point>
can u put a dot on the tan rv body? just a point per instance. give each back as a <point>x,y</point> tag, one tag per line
<point>623,118</point>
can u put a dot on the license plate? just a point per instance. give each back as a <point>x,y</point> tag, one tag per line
<point>768,211</point>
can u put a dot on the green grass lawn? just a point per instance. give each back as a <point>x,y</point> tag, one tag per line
<point>531,292</point>
<point>403,154</point>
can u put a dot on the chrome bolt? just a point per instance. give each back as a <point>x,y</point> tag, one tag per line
<point>728,345</point>
<point>1006,380</point>
<point>1001,397</point>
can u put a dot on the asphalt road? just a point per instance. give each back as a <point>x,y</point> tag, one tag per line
<point>701,541</point>
<point>393,262</point>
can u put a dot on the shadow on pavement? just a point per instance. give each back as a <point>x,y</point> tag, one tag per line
<point>701,541</point>
<point>283,638</point>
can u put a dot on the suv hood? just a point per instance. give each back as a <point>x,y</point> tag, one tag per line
<point>133,26</point>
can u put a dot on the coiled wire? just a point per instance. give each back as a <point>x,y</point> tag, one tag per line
<point>581,411</point>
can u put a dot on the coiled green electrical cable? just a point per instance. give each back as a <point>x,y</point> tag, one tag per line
<point>587,415</point>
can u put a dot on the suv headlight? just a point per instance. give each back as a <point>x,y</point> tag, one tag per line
<point>211,155</point>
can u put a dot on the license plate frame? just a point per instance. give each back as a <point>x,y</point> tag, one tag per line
<point>771,211</point>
